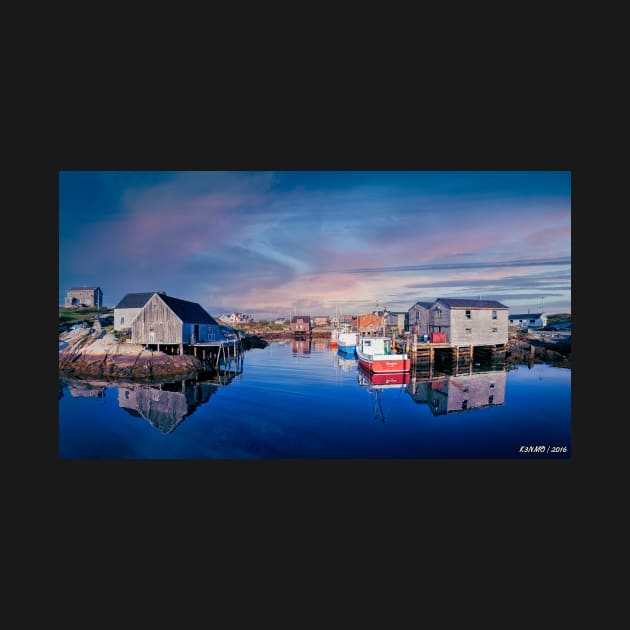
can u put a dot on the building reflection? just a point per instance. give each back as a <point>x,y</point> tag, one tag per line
<point>456,393</point>
<point>85,389</point>
<point>300,346</point>
<point>320,345</point>
<point>163,404</point>
<point>166,405</point>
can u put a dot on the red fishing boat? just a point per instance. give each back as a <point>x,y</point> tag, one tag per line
<point>383,380</point>
<point>376,355</point>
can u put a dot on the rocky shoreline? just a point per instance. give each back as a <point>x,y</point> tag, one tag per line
<point>94,353</point>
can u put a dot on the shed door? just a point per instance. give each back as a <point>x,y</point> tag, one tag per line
<point>195,335</point>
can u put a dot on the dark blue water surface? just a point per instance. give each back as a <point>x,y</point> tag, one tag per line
<point>305,400</point>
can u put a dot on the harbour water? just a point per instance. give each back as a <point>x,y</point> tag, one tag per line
<point>301,399</point>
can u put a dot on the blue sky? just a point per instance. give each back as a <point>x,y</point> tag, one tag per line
<point>275,243</point>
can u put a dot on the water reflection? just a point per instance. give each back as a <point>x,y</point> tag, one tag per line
<point>346,361</point>
<point>163,404</point>
<point>302,347</point>
<point>463,392</point>
<point>376,383</point>
<point>478,386</point>
<point>86,389</point>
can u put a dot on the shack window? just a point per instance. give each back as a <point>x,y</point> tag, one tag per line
<point>532,321</point>
<point>494,314</point>
<point>467,314</point>
<point>469,330</point>
<point>438,313</point>
<point>494,330</point>
<point>122,319</point>
<point>151,328</point>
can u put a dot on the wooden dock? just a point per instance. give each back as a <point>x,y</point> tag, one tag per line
<point>425,355</point>
<point>217,353</point>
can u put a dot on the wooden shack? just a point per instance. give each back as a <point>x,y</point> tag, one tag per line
<point>165,320</point>
<point>419,316</point>
<point>469,322</point>
<point>126,310</point>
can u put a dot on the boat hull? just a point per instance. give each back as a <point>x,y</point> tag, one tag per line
<point>384,364</point>
<point>385,380</point>
<point>345,348</point>
<point>347,340</point>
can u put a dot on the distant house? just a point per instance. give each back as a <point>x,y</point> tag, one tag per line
<point>418,318</point>
<point>371,323</point>
<point>301,324</point>
<point>321,320</point>
<point>280,320</point>
<point>129,307</point>
<point>533,320</point>
<point>84,296</point>
<point>165,320</point>
<point>470,322</point>
<point>235,318</point>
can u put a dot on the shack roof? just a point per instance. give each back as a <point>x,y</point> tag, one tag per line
<point>188,312</point>
<point>470,303</point>
<point>135,300</point>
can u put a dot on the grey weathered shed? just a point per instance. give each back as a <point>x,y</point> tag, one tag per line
<point>168,320</point>
<point>418,319</point>
<point>129,307</point>
<point>470,322</point>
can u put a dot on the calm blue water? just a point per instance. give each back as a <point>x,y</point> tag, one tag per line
<point>304,400</point>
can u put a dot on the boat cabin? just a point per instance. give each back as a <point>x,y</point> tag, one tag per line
<point>375,345</point>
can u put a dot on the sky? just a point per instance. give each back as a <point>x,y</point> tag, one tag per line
<point>274,244</point>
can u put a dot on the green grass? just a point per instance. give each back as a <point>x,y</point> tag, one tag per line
<point>558,318</point>
<point>71,316</point>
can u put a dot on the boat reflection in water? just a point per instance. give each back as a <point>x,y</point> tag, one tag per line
<point>376,383</point>
<point>481,387</point>
<point>346,361</point>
